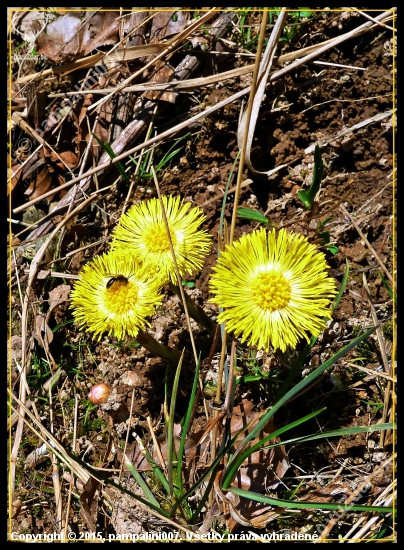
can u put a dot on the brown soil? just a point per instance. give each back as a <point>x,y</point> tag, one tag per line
<point>313,103</point>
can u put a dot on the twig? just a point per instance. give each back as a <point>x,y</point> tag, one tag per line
<point>373,19</point>
<point>55,473</point>
<point>156,444</point>
<point>371,372</point>
<point>248,117</point>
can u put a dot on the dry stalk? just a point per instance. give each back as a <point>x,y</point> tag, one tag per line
<point>71,481</point>
<point>355,493</point>
<point>55,474</point>
<point>156,444</point>
<point>179,280</point>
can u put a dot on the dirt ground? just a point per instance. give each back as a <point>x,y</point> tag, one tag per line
<point>313,103</point>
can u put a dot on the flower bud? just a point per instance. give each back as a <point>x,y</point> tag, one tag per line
<point>99,393</point>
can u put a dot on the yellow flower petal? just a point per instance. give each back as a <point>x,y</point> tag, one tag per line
<point>273,288</point>
<point>115,294</point>
<point>141,232</point>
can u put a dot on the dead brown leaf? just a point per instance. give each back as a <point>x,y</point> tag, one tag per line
<point>57,296</point>
<point>41,326</point>
<point>168,23</point>
<point>69,158</point>
<point>40,185</point>
<point>163,74</point>
<point>101,30</point>
<point>69,37</point>
<point>62,38</point>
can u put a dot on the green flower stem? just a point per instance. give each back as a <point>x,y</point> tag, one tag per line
<point>195,311</point>
<point>170,354</point>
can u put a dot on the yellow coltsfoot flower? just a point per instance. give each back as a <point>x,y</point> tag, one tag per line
<point>273,288</point>
<point>115,294</point>
<point>142,232</point>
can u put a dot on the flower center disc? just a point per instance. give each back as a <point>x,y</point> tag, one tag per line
<point>271,291</point>
<point>121,296</point>
<point>157,240</point>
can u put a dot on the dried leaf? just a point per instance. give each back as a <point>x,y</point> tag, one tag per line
<point>69,158</point>
<point>88,99</point>
<point>56,297</point>
<point>40,185</point>
<point>68,37</point>
<point>62,38</point>
<point>100,30</point>
<point>41,326</point>
<point>265,468</point>
<point>328,492</point>
<point>162,75</point>
<point>168,23</point>
<point>135,22</point>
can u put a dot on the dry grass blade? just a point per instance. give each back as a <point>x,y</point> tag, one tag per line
<point>168,49</point>
<point>354,494</point>
<point>387,368</point>
<point>246,129</point>
<point>179,280</point>
<point>127,54</point>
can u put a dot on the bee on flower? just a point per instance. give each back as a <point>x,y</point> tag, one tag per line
<point>115,294</point>
<point>274,289</point>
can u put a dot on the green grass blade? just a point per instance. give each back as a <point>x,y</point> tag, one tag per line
<point>334,433</point>
<point>167,158</point>
<point>342,287</point>
<point>141,482</point>
<point>307,197</point>
<point>170,153</point>
<point>282,430</point>
<point>250,214</point>
<point>181,450</point>
<point>313,505</point>
<point>231,471</point>
<point>156,470</point>
<point>171,458</point>
<point>110,152</point>
<point>226,193</point>
<point>96,474</point>
<point>227,480</point>
<point>389,290</point>
<point>211,470</point>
